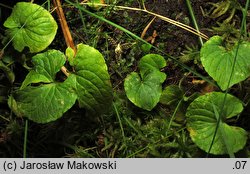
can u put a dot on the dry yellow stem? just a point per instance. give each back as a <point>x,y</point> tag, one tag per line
<point>146,28</point>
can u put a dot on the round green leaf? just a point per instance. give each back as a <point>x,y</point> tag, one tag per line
<point>144,93</point>
<point>91,79</point>
<point>202,121</point>
<point>151,62</point>
<point>32,26</point>
<point>218,62</point>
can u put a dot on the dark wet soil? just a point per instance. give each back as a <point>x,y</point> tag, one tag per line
<point>173,37</point>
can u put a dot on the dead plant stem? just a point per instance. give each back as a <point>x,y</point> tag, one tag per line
<point>65,29</point>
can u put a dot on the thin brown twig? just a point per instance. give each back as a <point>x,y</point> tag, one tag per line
<point>65,29</point>
<point>64,25</point>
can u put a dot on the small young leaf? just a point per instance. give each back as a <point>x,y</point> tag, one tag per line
<point>46,65</point>
<point>145,91</point>
<point>32,26</point>
<point>218,62</point>
<point>146,48</point>
<point>95,2</point>
<point>202,121</point>
<point>91,79</point>
<point>70,54</point>
<point>151,62</point>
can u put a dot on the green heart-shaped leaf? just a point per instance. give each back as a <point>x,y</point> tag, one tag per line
<point>218,62</point>
<point>145,91</point>
<point>46,65</point>
<point>46,102</point>
<point>32,26</point>
<point>91,79</point>
<point>202,121</point>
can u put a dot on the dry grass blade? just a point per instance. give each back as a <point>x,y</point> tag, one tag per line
<point>146,28</point>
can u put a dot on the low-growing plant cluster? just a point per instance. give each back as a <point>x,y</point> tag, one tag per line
<point>116,94</point>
